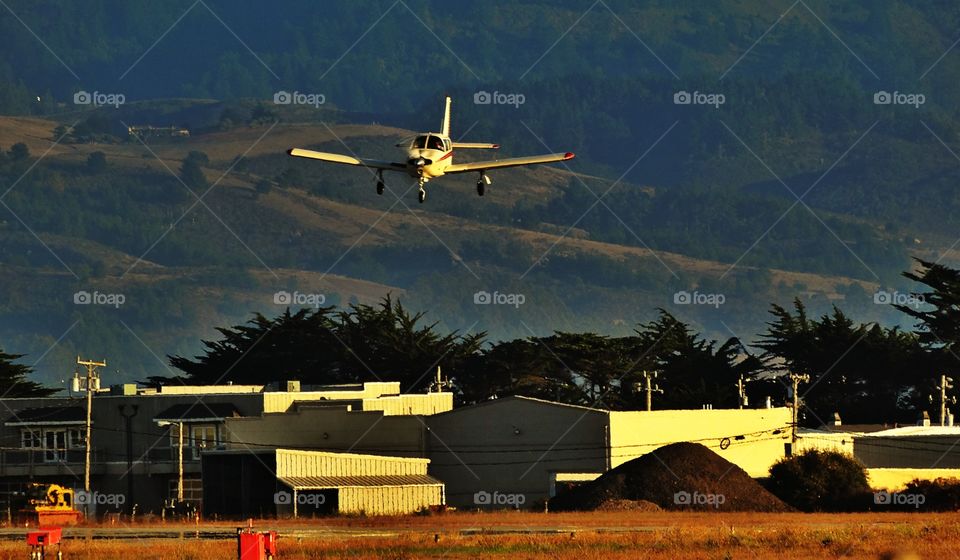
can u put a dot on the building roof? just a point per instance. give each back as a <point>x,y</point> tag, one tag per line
<point>198,411</point>
<point>521,398</point>
<point>48,415</point>
<point>855,428</point>
<point>918,431</point>
<point>329,482</point>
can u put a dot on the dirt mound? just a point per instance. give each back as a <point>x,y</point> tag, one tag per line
<point>628,505</point>
<point>680,476</point>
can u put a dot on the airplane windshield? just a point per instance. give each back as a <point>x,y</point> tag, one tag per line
<point>435,143</point>
<point>420,142</point>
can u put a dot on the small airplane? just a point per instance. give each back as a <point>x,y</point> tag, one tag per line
<point>429,155</point>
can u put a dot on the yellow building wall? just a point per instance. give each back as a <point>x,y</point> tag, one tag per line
<point>389,500</point>
<point>897,479</point>
<point>423,405</point>
<point>633,434</point>
<point>291,463</point>
<point>382,396</point>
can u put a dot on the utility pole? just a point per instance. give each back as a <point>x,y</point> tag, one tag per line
<point>89,383</point>
<point>741,392</point>
<point>946,383</point>
<point>651,387</point>
<point>795,380</point>
<point>438,383</point>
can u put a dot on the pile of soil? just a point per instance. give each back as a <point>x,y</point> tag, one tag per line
<point>628,505</point>
<point>679,476</point>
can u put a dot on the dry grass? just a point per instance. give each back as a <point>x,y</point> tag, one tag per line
<point>580,536</point>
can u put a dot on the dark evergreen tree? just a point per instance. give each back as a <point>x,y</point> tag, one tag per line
<point>14,380</point>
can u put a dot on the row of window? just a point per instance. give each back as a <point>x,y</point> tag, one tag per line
<point>196,438</point>
<point>55,442</point>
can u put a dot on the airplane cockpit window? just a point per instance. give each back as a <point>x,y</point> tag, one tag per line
<point>420,142</point>
<point>435,143</point>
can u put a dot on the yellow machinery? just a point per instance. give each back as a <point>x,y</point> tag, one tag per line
<point>52,504</point>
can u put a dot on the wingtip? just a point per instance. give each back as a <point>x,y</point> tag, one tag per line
<point>290,151</point>
<point>568,155</point>
<point>496,146</point>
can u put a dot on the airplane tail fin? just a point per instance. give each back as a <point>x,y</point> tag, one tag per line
<point>445,129</point>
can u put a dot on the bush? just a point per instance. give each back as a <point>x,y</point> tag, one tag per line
<point>942,494</point>
<point>821,481</point>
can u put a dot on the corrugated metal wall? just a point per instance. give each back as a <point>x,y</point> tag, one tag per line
<point>390,500</point>
<point>425,405</point>
<point>311,463</point>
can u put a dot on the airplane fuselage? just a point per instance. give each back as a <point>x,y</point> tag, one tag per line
<point>428,155</point>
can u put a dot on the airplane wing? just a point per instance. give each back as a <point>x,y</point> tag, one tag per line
<point>347,160</point>
<point>509,162</point>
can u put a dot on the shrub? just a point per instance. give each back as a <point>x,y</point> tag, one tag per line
<point>942,494</point>
<point>821,481</point>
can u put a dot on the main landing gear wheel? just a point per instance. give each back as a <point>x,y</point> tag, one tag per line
<point>481,188</point>
<point>380,187</point>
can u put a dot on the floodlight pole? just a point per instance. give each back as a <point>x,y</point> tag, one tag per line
<point>180,462</point>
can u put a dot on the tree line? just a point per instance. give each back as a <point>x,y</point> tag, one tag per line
<point>866,372</point>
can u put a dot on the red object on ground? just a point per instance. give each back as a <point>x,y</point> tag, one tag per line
<point>256,546</point>
<point>44,536</point>
<point>270,543</point>
<point>251,546</point>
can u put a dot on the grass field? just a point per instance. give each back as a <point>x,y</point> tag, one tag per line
<point>604,535</point>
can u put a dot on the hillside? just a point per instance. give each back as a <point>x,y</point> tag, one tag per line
<point>329,235</point>
<point>815,177</point>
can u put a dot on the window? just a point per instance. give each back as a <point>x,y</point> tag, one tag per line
<point>30,439</point>
<point>78,438</point>
<point>202,436</point>
<point>435,143</point>
<point>196,438</point>
<point>54,445</point>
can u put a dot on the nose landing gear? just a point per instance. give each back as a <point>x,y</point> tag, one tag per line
<point>422,195</point>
